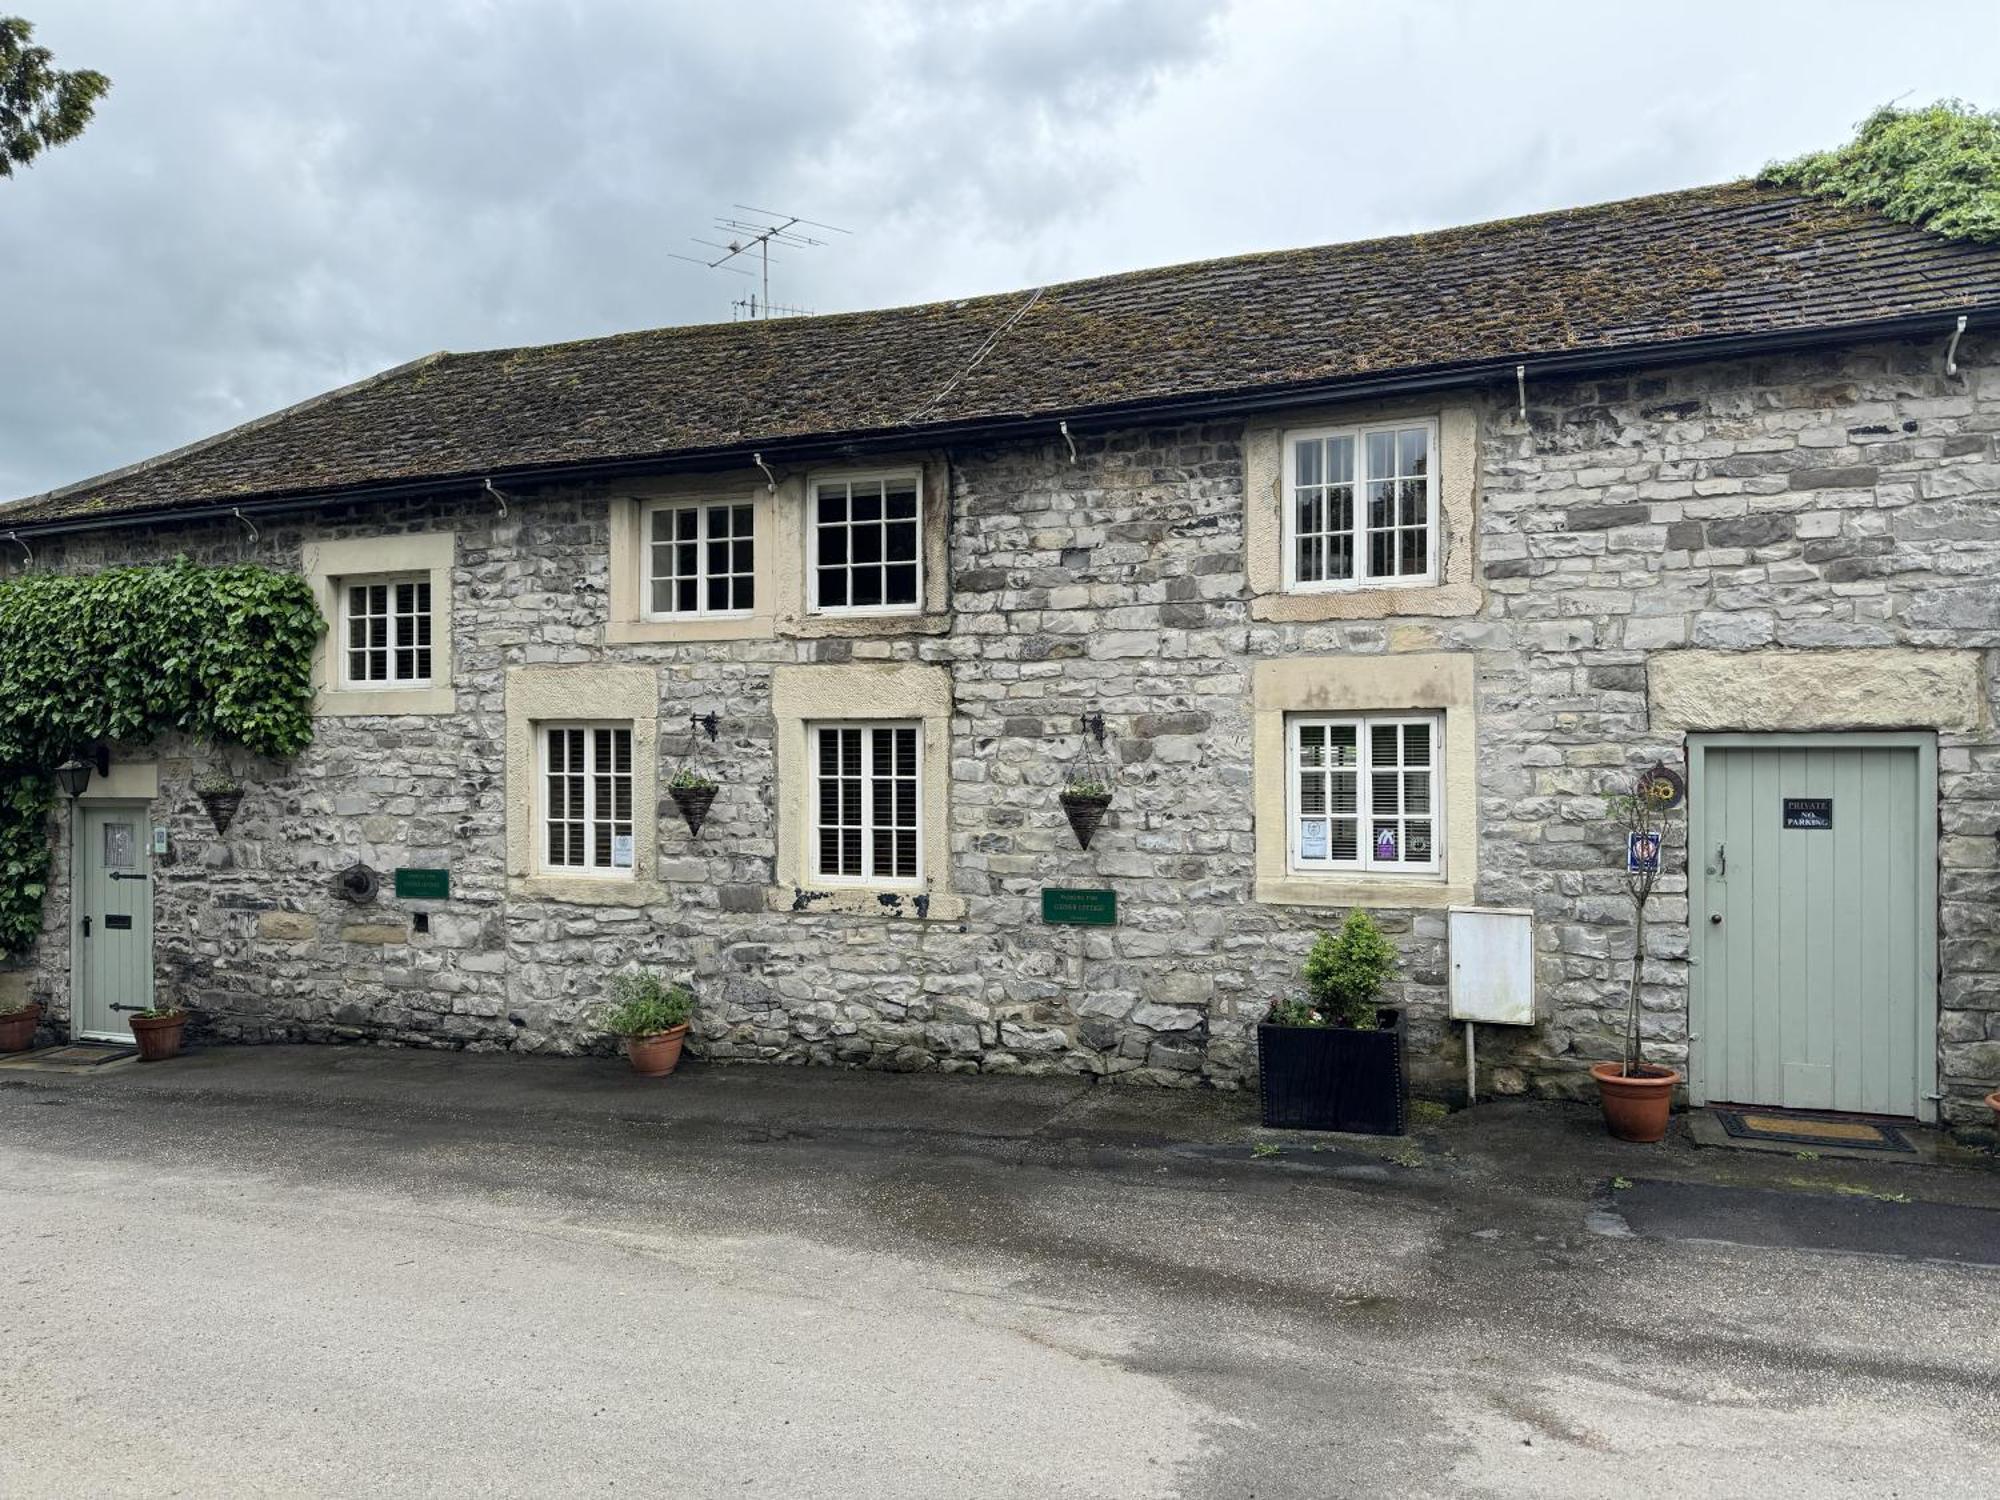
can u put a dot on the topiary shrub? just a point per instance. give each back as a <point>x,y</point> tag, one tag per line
<point>1937,167</point>
<point>1346,970</point>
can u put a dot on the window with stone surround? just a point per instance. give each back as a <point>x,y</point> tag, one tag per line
<point>385,631</point>
<point>1360,506</point>
<point>865,543</point>
<point>700,560</point>
<point>1364,794</point>
<point>585,799</point>
<point>866,803</point>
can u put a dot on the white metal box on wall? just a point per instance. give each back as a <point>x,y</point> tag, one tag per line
<point>1493,965</point>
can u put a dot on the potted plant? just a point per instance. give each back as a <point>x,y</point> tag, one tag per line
<point>1084,799</point>
<point>17,1027</point>
<point>221,793</point>
<point>1638,1096</point>
<point>652,1015</point>
<point>1334,1060</point>
<point>694,794</point>
<point>158,1032</point>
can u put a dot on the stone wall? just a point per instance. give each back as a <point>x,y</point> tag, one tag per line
<point>1807,503</point>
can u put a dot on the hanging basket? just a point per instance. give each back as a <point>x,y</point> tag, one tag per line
<point>1085,810</point>
<point>694,803</point>
<point>221,808</point>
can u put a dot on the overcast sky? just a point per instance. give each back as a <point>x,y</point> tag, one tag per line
<point>280,196</point>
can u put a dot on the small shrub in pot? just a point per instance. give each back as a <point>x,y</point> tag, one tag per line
<point>651,1013</point>
<point>1334,1059</point>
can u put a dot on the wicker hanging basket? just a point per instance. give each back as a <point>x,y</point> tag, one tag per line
<point>694,803</point>
<point>221,808</point>
<point>1085,810</point>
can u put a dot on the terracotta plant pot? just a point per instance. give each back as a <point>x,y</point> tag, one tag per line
<point>17,1029</point>
<point>1084,814</point>
<point>658,1053</point>
<point>694,803</point>
<point>1636,1108</point>
<point>1992,1103</point>
<point>159,1037</point>
<point>221,808</point>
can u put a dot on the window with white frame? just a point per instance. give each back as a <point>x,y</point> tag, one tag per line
<point>866,791</point>
<point>1365,793</point>
<point>1361,506</point>
<point>586,798</point>
<point>866,542</point>
<point>700,560</point>
<point>385,631</point>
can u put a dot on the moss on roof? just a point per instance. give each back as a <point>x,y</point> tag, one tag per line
<point>1735,259</point>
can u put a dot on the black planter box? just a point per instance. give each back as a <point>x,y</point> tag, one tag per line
<point>1331,1078</point>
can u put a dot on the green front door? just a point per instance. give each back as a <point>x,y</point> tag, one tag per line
<point>1813,897</point>
<point>114,919</point>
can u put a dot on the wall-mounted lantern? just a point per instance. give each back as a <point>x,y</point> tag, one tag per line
<point>73,775</point>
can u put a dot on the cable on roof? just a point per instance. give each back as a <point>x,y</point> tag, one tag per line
<point>1521,389</point>
<point>1951,352</point>
<point>250,525</point>
<point>15,538</point>
<point>979,356</point>
<point>498,498</point>
<point>770,479</point>
<point>1063,428</point>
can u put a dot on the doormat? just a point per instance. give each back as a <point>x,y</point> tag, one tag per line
<point>76,1055</point>
<point>1812,1130</point>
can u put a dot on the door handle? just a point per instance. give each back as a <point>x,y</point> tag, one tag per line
<point>121,875</point>
<point>1715,919</point>
<point>86,926</point>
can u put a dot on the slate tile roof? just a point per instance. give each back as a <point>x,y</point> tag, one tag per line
<point>1736,259</point>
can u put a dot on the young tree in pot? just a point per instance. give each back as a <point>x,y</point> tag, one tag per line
<point>651,1014</point>
<point>158,1032</point>
<point>1638,1096</point>
<point>1334,1060</point>
<point>693,794</point>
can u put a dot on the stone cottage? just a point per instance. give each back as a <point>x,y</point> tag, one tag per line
<point>1377,565</point>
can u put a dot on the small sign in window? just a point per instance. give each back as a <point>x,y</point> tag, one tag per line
<point>621,851</point>
<point>1809,812</point>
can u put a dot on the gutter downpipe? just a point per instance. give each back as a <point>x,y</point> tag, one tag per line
<point>836,445</point>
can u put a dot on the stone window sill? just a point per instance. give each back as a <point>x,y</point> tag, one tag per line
<point>638,632</point>
<point>929,622</point>
<point>581,890</point>
<point>1341,890</point>
<point>865,901</point>
<point>1368,603</point>
<point>354,703</point>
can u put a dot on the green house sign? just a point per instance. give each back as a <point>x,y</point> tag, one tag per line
<point>423,885</point>
<point>1079,908</point>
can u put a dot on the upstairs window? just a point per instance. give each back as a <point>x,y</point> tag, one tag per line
<point>1361,507</point>
<point>700,561</point>
<point>586,786</point>
<point>866,544</point>
<point>1364,794</point>
<point>385,631</point>
<point>866,791</point>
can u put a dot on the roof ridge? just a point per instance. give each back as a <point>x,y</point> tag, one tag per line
<point>201,445</point>
<point>1053,291</point>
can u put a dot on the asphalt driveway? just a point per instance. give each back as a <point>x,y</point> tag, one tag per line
<point>338,1272</point>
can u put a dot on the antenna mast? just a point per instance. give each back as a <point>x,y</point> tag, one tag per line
<point>747,236</point>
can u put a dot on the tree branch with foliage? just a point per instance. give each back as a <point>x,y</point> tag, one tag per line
<point>1641,816</point>
<point>41,106</point>
<point>1937,167</point>
<point>124,656</point>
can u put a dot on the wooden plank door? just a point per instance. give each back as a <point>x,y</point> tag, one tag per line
<point>1814,876</point>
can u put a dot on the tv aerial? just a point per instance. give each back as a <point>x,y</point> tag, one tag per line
<point>748,238</point>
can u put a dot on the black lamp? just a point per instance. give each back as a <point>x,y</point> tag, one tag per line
<point>73,776</point>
